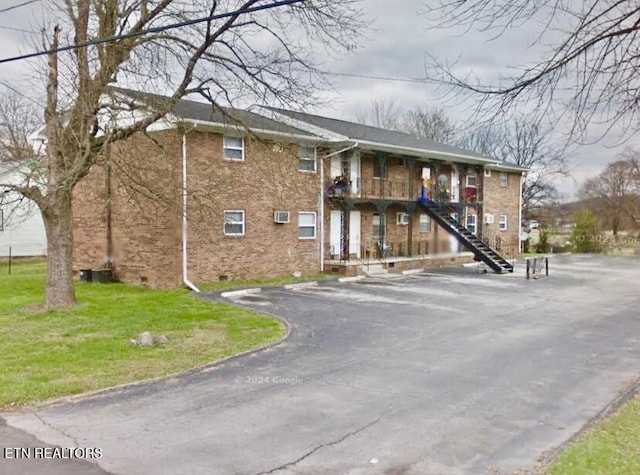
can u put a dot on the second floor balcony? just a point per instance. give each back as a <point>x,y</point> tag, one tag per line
<point>404,190</point>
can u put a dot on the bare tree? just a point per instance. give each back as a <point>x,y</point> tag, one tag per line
<point>383,113</point>
<point>615,193</point>
<point>527,144</point>
<point>590,72</point>
<point>251,50</point>
<point>430,124</point>
<point>419,121</point>
<point>18,158</point>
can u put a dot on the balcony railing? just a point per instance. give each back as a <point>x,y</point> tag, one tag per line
<point>372,188</point>
<point>378,249</point>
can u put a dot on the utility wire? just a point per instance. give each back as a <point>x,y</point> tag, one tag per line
<point>11,88</point>
<point>23,4</point>
<point>378,78</point>
<point>157,29</point>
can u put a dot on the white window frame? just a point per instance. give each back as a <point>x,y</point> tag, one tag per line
<point>305,159</point>
<point>487,172</point>
<point>474,224</point>
<point>226,147</point>
<point>226,221</point>
<point>504,179</point>
<point>503,222</point>
<point>425,223</point>
<point>300,226</point>
<point>475,179</point>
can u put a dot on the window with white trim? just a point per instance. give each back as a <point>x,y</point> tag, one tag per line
<point>504,179</point>
<point>425,223</point>
<point>233,148</point>
<point>471,180</point>
<point>472,223</point>
<point>502,223</point>
<point>487,172</point>
<point>377,228</point>
<point>234,223</point>
<point>307,159</point>
<point>306,225</point>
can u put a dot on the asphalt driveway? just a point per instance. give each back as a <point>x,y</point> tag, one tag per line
<point>442,372</point>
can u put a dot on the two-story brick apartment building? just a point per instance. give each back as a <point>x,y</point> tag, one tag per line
<point>209,195</point>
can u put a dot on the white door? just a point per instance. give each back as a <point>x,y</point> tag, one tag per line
<point>334,234</point>
<point>354,233</point>
<point>455,184</point>
<point>354,170</point>
<point>336,166</point>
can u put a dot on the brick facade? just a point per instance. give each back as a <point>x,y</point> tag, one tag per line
<point>128,211</point>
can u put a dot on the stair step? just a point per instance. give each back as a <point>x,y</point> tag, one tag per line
<point>373,269</point>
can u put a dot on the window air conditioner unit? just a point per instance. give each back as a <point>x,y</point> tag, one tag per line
<point>402,219</point>
<point>281,217</point>
<point>488,219</point>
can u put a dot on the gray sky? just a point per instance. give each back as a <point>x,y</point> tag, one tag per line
<point>394,48</point>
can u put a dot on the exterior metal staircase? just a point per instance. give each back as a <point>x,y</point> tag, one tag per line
<point>481,250</point>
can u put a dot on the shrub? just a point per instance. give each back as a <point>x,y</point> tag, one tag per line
<point>585,236</point>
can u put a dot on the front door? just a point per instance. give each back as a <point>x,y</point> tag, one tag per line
<point>354,234</point>
<point>334,234</point>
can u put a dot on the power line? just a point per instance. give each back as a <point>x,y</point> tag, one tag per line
<point>157,29</point>
<point>12,28</point>
<point>379,78</point>
<point>23,4</point>
<point>11,88</point>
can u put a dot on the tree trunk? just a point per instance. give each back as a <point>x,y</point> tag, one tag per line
<point>58,221</point>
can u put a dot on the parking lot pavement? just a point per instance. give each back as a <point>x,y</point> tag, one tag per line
<point>447,371</point>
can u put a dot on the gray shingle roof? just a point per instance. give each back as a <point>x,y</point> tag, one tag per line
<point>226,116</point>
<point>385,137</point>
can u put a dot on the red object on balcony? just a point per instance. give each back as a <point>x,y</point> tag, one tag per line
<point>470,193</point>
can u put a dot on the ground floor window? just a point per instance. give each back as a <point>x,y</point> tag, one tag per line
<point>378,225</point>
<point>234,223</point>
<point>472,223</point>
<point>425,223</point>
<point>307,225</point>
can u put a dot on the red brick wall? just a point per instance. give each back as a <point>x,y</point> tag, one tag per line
<point>499,200</point>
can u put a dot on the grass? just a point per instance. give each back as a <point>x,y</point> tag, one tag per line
<point>46,355</point>
<point>610,447</point>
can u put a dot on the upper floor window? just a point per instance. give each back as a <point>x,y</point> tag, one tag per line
<point>503,222</point>
<point>307,159</point>
<point>471,180</point>
<point>233,148</point>
<point>504,179</point>
<point>234,223</point>
<point>379,168</point>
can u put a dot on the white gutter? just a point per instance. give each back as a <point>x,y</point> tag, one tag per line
<point>321,199</point>
<point>185,277</point>
<point>520,213</point>
<point>224,127</point>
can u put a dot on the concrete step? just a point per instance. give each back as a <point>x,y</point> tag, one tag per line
<point>372,270</point>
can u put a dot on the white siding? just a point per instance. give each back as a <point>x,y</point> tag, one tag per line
<point>23,232</point>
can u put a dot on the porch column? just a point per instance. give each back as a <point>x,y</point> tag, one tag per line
<point>411,165</point>
<point>344,233</point>
<point>411,209</point>
<point>382,211</point>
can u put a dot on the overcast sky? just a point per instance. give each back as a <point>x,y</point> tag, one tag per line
<point>394,48</point>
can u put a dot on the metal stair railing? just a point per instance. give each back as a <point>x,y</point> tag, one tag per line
<point>480,249</point>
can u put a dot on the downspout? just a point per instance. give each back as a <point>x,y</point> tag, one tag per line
<point>520,213</point>
<point>321,200</point>
<point>185,277</point>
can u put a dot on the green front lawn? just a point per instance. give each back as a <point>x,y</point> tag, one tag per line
<point>45,355</point>
<point>611,447</point>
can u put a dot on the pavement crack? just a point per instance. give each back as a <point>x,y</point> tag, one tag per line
<point>57,429</point>
<point>326,444</point>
